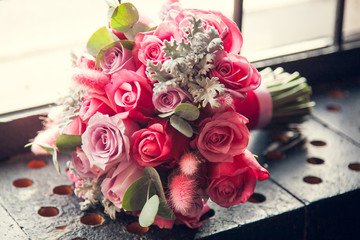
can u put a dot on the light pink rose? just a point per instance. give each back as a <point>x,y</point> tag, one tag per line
<point>234,183</point>
<point>106,140</point>
<point>81,164</point>
<point>236,73</point>
<point>158,144</point>
<point>115,58</point>
<point>94,103</point>
<point>115,186</point>
<point>175,22</point>
<point>222,137</point>
<point>167,101</point>
<point>130,94</point>
<point>148,47</point>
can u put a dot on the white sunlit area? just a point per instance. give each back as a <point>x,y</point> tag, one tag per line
<point>38,37</point>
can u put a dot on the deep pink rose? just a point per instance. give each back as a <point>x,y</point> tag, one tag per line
<point>167,101</point>
<point>94,103</point>
<point>106,140</point>
<point>147,47</point>
<point>130,94</point>
<point>81,165</point>
<point>222,137</point>
<point>233,183</point>
<point>115,58</point>
<point>115,186</point>
<point>157,144</point>
<point>229,32</point>
<point>236,73</point>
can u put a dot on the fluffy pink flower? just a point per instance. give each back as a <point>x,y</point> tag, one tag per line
<point>46,137</point>
<point>93,80</point>
<point>222,137</point>
<point>189,164</point>
<point>130,94</point>
<point>106,140</point>
<point>233,183</point>
<point>236,73</point>
<point>115,186</point>
<point>183,196</point>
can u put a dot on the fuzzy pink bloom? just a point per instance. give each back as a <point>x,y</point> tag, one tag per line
<point>114,187</point>
<point>222,137</point>
<point>183,196</point>
<point>47,138</point>
<point>93,80</point>
<point>233,183</point>
<point>188,164</point>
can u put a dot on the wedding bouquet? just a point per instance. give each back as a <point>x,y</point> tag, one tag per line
<point>151,124</point>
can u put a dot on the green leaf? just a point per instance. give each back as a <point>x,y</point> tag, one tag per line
<point>181,125</point>
<point>149,211</point>
<point>164,209</point>
<point>67,143</point>
<point>165,115</point>
<point>55,160</point>
<point>101,38</point>
<point>187,111</point>
<point>136,195</point>
<point>124,17</point>
<point>125,43</point>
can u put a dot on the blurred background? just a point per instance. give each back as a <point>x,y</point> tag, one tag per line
<point>37,37</point>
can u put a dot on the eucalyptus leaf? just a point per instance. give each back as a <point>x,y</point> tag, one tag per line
<point>137,193</point>
<point>67,143</point>
<point>187,111</point>
<point>101,38</point>
<point>149,211</point>
<point>124,17</point>
<point>164,209</point>
<point>55,160</point>
<point>165,115</point>
<point>181,125</point>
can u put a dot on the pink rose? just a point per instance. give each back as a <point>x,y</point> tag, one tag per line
<point>115,186</point>
<point>115,58</point>
<point>148,47</point>
<point>131,95</point>
<point>106,140</point>
<point>81,165</point>
<point>236,73</point>
<point>228,30</point>
<point>167,101</point>
<point>94,103</point>
<point>233,183</point>
<point>157,144</point>
<point>75,127</point>
<point>222,137</point>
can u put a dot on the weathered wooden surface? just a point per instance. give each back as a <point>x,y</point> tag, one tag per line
<point>23,205</point>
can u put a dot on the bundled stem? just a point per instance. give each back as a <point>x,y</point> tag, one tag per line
<point>290,94</point>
